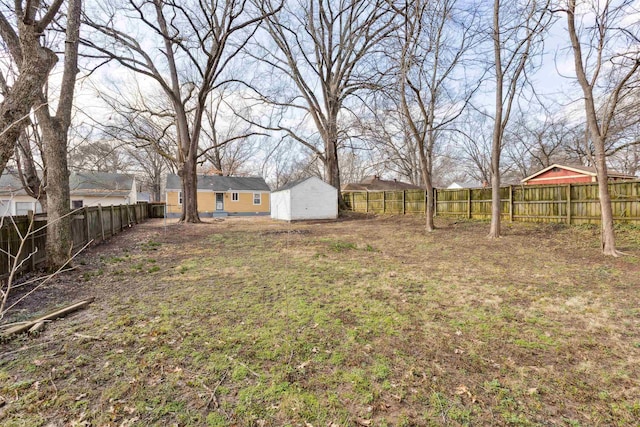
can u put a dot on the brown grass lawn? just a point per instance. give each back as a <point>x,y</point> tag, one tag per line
<point>365,321</point>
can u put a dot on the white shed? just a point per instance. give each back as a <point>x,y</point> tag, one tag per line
<point>309,198</point>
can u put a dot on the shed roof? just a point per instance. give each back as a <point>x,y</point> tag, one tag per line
<point>586,170</point>
<point>297,182</point>
<point>222,183</point>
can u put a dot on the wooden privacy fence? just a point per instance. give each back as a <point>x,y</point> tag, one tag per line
<point>568,203</point>
<point>88,223</point>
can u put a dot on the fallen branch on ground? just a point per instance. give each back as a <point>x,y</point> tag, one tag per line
<point>25,326</point>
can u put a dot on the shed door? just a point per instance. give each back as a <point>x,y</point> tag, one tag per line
<point>219,201</point>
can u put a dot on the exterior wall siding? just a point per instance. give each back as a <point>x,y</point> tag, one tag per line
<point>172,202</point>
<point>245,203</point>
<point>207,203</point>
<point>311,199</point>
<point>281,205</point>
<point>562,176</point>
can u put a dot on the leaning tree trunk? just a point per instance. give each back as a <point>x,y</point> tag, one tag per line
<point>37,62</point>
<point>59,241</point>
<point>607,240</point>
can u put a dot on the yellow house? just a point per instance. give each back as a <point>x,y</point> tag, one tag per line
<point>222,196</point>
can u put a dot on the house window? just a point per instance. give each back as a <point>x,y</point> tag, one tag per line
<point>179,197</point>
<point>235,197</point>
<point>23,208</point>
<point>257,198</point>
<point>76,204</point>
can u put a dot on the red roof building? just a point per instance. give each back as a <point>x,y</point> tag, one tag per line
<point>562,174</point>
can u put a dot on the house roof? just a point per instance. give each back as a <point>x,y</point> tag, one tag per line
<point>221,183</point>
<point>374,183</point>
<point>100,184</point>
<point>586,170</point>
<point>469,184</point>
<point>80,184</point>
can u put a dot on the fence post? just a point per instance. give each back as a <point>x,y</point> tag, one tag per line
<point>367,202</point>
<point>121,218</point>
<point>135,214</point>
<point>86,224</point>
<point>113,231</point>
<point>404,210</point>
<point>511,203</point>
<point>568,204</point>
<point>101,219</point>
<point>435,202</point>
<point>384,202</point>
<point>468,203</point>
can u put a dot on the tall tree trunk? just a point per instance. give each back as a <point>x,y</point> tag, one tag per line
<point>55,132</point>
<point>332,168</point>
<point>59,241</point>
<point>597,137</point>
<point>425,166</point>
<point>496,143</point>
<point>494,230</point>
<point>189,192</point>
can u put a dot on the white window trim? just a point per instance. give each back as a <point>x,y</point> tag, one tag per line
<point>235,196</point>
<point>259,197</point>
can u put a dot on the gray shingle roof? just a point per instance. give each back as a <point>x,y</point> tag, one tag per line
<point>222,183</point>
<point>99,181</point>
<point>80,183</point>
<point>291,184</point>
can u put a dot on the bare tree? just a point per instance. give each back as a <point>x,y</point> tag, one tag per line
<point>99,155</point>
<point>55,128</point>
<point>435,43</point>
<point>319,51</point>
<point>229,142</point>
<point>607,66</point>
<point>34,62</point>
<point>539,139</point>
<point>473,139</point>
<point>193,44</point>
<point>517,30</point>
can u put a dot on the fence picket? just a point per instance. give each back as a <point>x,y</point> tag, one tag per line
<point>570,204</point>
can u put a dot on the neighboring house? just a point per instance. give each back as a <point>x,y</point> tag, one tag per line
<point>374,183</point>
<point>86,189</point>
<point>102,188</point>
<point>309,198</point>
<point>461,185</point>
<point>221,195</point>
<point>563,174</point>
